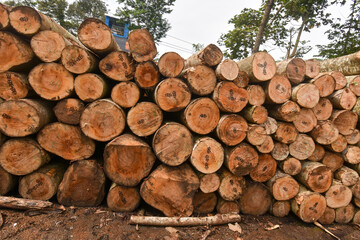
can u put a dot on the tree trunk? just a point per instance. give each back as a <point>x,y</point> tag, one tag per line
<point>8,181</point>
<point>325,133</point>
<point>102,120</point>
<point>280,208</point>
<point>344,120</point>
<point>334,161</point>
<point>259,66</point>
<point>352,154</point>
<point>267,146</point>
<point>256,135</point>
<point>306,95</point>
<point>204,202</point>
<point>182,183</point>
<point>264,21</point>
<point>227,207</point>
<point>127,160</point>
<point>315,176</point>
<point>256,95</point>
<point>291,166</point>
<point>312,68</point>
<point>23,117</point>
<point>338,145</point>
<point>141,45</point>
<point>345,214</point>
<point>305,121</point>
<point>285,112</point>
<point>294,69</point>
<point>14,85</point>
<point>256,199</point>
<point>325,83</point>
<point>210,56</point>
<point>231,129</point>
<point>242,80</point>
<point>278,90</point>
<point>270,125</point>
<point>147,75</point>
<point>90,87</point>
<point>328,217</point>
<point>318,153</point>
<point>171,64</point>
<point>126,94</point>
<point>123,199</point>
<point>347,176</point>
<point>209,182</point>
<point>255,114</point>
<point>227,70</point>
<point>286,133</point>
<point>323,109</point>
<point>353,138</point>
<point>43,183</point>
<point>83,185</point>
<point>338,195</point>
<point>303,147</point>
<point>201,79</point>
<point>283,186</point>
<point>172,143</point>
<point>78,60</point>
<point>66,141</point>
<point>241,160</point>
<point>231,187</point>
<point>343,99</point>
<point>69,110</point>
<point>172,95</point>
<point>265,169</point>
<point>118,66</point>
<point>348,65</point>
<point>280,151</point>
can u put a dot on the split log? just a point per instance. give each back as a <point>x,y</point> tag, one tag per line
<point>123,199</point>
<point>201,79</point>
<point>328,217</point>
<point>282,186</point>
<point>303,147</point>
<point>242,80</point>
<point>207,155</point>
<point>353,83</point>
<point>14,85</point>
<point>201,115</point>
<point>270,125</point>
<point>97,36</point>
<point>144,118</point>
<point>306,95</point>
<point>354,137</point>
<point>226,207</point>
<point>102,120</point>
<point>43,183</point>
<point>256,135</point>
<point>256,95</point>
<point>241,160</point>
<point>278,90</point>
<point>265,169</point>
<point>285,112</point>
<point>338,195</point>
<point>23,117</point>
<point>227,70</point>
<point>147,75</point>
<point>209,182</point>
<point>15,53</point>
<point>345,214</point>
<point>347,176</point>
<point>83,185</point>
<point>4,17</point>
<point>229,97</point>
<point>126,94</point>
<point>204,202</point>
<point>280,151</point>
<point>338,145</point>
<point>231,129</point>
<point>21,156</point>
<point>256,114</point>
<point>66,141</point>
<point>256,199</point>
<point>172,95</point>
<point>118,66</point>
<point>69,110</point>
<point>308,206</point>
<point>352,154</point>
<point>51,81</point>
<point>78,60</point>
<point>23,204</point>
<point>343,99</point>
<point>294,69</point>
<point>231,186</point>
<point>171,64</point>
<point>315,176</point>
<point>90,87</point>
<point>267,146</point>
<point>8,181</point>
<point>325,83</point>
<point>344,120</point>
<point>259,67</point>
<point>172,143</point>
<point>323,109</point>
<point>280,208</point>
<point>312,68</point>
<point>127,160</point>
<point>305,121</point>
<point>286,133</point>
<point>171,189</point>
<point>333,160</point>
<point>291,166</point>
<point>141,45</point>
<point>348,65</point>
<point>325,132</point>
<point>318,153</point>
<point>211,55</point>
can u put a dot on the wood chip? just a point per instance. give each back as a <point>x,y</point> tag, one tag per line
<point>327,231</point>
<point>235,227</point>
<point>272,227</point>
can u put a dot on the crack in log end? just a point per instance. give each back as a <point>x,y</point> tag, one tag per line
<point>265,168</point>
<point>24,19</point>
<point>263,66</point>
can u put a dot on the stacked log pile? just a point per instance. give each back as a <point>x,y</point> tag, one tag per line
<point>185,136</point>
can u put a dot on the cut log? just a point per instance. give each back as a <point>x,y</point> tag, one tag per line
<point>15,53</point>
<point>354,137</point>
<point>102,120</point>
<point>66,141</point>
<point>340,79</point>
<point>308,206</point>
<point>23,117</point>
<point>78,60</point>
<point>127,160</point>
<point>171,189</point>
<point>280,208</point>
<point>338,145</point>
<point>323,109</point>
<point>343,99</point>
<point>209,182</point>
<point>172,143</point>
<point>256,199</point>
<point>241,160</point>
<point>8,181</point>
<point>325,83</point>
<point>211,55</point>
<point>126,94</point>
<point>21,156</point>
<point>312,68</point>
<point>260,67</point>
<point>291,166</point>
<point>356,108</point>
<point>141,45</point>
<point>204,202</point>
<point>227,70</point>
<point>278,90</point>
<point>352,154</point>
<point>231,186</point>
<point>69,110</point>
<point>226,207</point>
<point>294,69</point>
<point>97,36</point>
<point>90,87</point>
<point>256,114</point>
<point>305,121</point>
<point>256,135</point>
<point>306,95</point>
<point>172,95</point>
<point>270,125</point>
<point>201,79</point>
<point>353,84</point>
<point>344,120</point>
<point>280,151</point>
<point>43,183</point>
<point>347,176</point>
<point>283,186</point>
<point>318,153</point>
<point>256,95</point>
<point>265,169</point>
<point>207,155</point>
<point>316,176</point>
<point>285,112</point>
<point>14,85</point>
<point>83,185</point>
<point>286,133</point>
<point>328,217</point>
<point>4,17</point>
<point>242,80</point>
<point>51,81</point>
<point>333,160</point>
<point>147,75</point>
<point>229,97</point>
<point>338,195</point>
<point>201,115</point>
<point>356,202</point>
<point>345,214</point>
<point>144,118</point>
<point>231,129</point>
<point>171,64</point>
<point>123,199</point>
<point>303,147</point>
<point>48,45</point>
<point>355,189</point>
<point>267,146</point>
<point>23,204</point>
<point>325,132</point>
<point>348,65</point>
<point>118,66</point>
<point>356,219</point>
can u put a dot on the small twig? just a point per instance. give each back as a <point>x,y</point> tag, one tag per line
<point>327,231</point>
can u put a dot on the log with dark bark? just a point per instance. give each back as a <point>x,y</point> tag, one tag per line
<point>338,195</point>
<point>242,159</point>
<point>265,169</point>
<point>323,109</point>
<point>294,69</point>
<point>211,55</point>
<point>256,199</point>
<point>123,199</point>
<point>348,65</point>
<point>285,112</point>
<point>227,70</point>
<point>118,66</point>
<point>226,207</point>
<point>78,60</point>
<point>316,176</point>
<point>14,85</point>
<point>282,186</point>
<point>147,75</point>
<point>141,45</point>
<point>69,110</point>
<point>256,95</point>
<point>345,214</point>
<point>312,68</point>
<point>201,79</point>
<point>343,99</point>
<point>303,147</point>
<point>280,151</point>
<point>8,181</point>
<point>318,153</point>
<point>231,187</point>
<point>344,120</point>
<point>325,132</point>
<point>171,64</point>
<point>204,202</point>
<point>209,182</point>
<point>306,95</point>
<point>305,121</point>
<point>328,217</point>
<point>291,166</point>
<point>126,94</point>
<point>278,90</point>
<point>325,83</point>
<point>90,87</point>
<point>231,129</point>
<point>347,176</point>
<point>286,133</point>
<point>334,161</point>
<point>280,208</point>
<point>260,67</point>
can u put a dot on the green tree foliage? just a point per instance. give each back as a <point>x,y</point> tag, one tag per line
<point>30,3</point>
<point>56,9</point>
<point>147,14</point>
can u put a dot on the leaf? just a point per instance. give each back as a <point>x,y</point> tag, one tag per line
<point>235,227</point>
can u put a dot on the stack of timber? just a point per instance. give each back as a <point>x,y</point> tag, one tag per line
<point>197,135</point>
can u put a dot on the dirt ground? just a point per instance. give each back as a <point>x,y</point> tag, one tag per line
<point>102,224</point>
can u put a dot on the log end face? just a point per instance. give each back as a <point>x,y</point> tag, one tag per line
<point>312,68</point>
<point>296,70</point>
<point>141,45</point>
<point>264,66</point>
<point>211,55</point>
<point>171,64</point>
<point>126,94</point>
<point>95,34</point>
<point>312,208</point>
<point>48,45</point>
<point>75,59</point>
<point>38,186</point>
<point>25,20</point>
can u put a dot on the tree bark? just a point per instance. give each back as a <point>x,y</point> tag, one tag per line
<point>23,204</point>
<point>210,56</point>
<point>78,60</point>
<point>90,87</point>
<point>264,21</point>
<point>123,199</point>
<point>315,176</point>
<point>118,66</point>
<point>14,85</point>
<point>348,65</point>
<point>256,199</point>
<point>141,45</point>
<point>69,110</point>
<point>294,69</point>
<point>126,94</point>
<point>201,79</point>
<point>231,129</point>
<point>147,75</point>
<point>265,169</point>
<point>171,64</point>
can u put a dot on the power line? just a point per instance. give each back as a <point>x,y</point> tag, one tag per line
<point>180,39</point>
<point>175,47</point>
